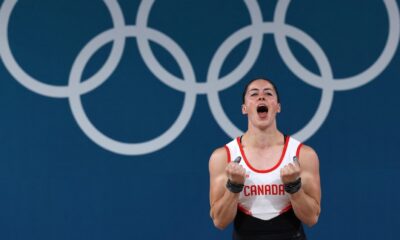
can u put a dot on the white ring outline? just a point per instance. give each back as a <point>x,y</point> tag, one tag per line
<point>327,93</point>
<point>92,132</point>
<point>49,90</point>
<point>347,83</point>
<point>199,87</point>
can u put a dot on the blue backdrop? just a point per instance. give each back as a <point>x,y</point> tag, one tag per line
<point>110,111</point>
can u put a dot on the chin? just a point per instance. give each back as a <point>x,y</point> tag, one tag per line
<point>263,125</point>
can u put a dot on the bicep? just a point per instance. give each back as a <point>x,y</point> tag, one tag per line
<point>310,172</point>
<point>217,165</point>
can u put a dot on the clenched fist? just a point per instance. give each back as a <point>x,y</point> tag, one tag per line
<point>235,172</point>
<point>290,172</point>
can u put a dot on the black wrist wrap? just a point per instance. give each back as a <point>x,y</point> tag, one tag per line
<point>293,187</point>
<point>234,187</point>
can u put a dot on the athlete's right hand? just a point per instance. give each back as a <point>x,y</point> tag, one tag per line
<point>236,173</point>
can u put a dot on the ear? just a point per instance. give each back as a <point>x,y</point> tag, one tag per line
<point>244,109</point>
<point>279,108</point>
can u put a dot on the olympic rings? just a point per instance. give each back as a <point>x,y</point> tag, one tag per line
<point>215,83</point>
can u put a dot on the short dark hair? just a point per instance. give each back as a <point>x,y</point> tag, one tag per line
<point>260,78</point>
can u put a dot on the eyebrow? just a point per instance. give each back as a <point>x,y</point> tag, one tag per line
<point>256,89</point>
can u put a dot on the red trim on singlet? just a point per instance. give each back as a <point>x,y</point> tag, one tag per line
<point>227,152</point>
<point>285,209</point>
<point>244,210</point>
<point>298,151</point>
<point>266,170</point>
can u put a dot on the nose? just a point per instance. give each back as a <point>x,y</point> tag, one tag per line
<point>261,97</point>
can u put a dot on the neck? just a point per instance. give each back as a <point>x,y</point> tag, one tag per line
<point>261,138</point>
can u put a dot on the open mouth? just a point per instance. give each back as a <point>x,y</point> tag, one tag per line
<point>262,109</point>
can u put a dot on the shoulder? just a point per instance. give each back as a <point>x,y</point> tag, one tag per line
<point>218,160</point>
<point>308,158</point>
<point>308,152</point>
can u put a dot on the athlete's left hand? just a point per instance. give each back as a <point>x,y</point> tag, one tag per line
<point>290,172</point>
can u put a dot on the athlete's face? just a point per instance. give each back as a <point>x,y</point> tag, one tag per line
<point>261,103</point>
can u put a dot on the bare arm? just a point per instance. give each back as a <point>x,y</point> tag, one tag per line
<point>306,202</point>
<point>223,202</point>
